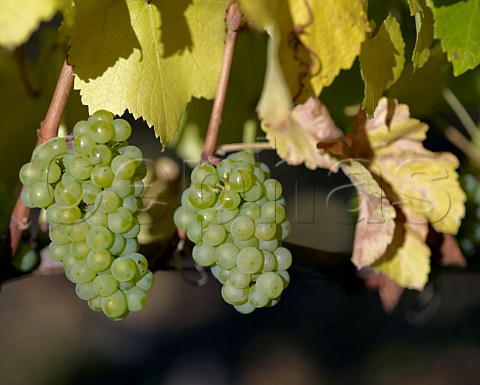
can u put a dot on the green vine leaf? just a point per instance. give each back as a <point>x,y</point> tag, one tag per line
<point>148,58</point>
<point>19,19</point>
<point>424,26</point>
<point>458,28</point>
<point>381,62</point>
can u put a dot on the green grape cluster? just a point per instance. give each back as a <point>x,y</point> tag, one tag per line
<point>235,215</point>
<point>469,233</point>
<point>91,191</point>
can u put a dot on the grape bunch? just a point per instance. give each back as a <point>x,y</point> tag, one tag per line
<point>91,191</point>
<point>235,215</point>
<point>469,232</point>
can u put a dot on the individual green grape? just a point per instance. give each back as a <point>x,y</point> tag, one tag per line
<point>229,199</point>
<point>251,210</point>
<point>102,176</point>
<point>85,291</point>
<point>224,168</point>
<point>30,174</point>
<point>83,144</point>
<point>252,242</point>
<point>265,228</point>
<point>273,210</point>
<point>102,131</point>
<point>284,258</point>
<point>257,298</point>
<point>122,187</point>
<point>124,269</point>
<point>68,193</point>
<point>69,215</point>
<point>101,115</point>
<point>121,220</point>
<point>25,196</point>
<point>250,260</point>
<point>123,167</point>
<point>146,282</point>
<point>136,298</point>
<point>225,216</point>
<point>202,196</point>
<point>137,186</point>
<point>270,283</point>
<point>81,273</point>
<point>58,234</point>
<point>79,249</point>
<point>203,254</point>
<point>244,308</point>
<point>214,234</point>
<point>56,147</point>
<point>95,303</point>
<point>270,262</point>
<point>132,152</point>
<point>255,193</point>
<point>99,260</point>
<point>205,173</point>
<point>100,155</point>
<point>233,295</point>
<point>41,155</point>
<point>105,285</point>
<point>285,277</point>
<point>140,261</point>
<point>242,156</point>
<point>107,201</point>
<point>226,255</point>
<point>242,228</point>
<point>259,174</point>
<point>285,229</point>
<point>134,231</point>
<point>57,251</point>
<point>41,194</point>
<point>131,246</point>
<point>270,245</point>
<point>95,217</point>
<point>77,231</point>
<point>273,189</point>
<point>182,217</point>
<point>99,237</point>
<point>131,203</point>
<point>122,130</point>
<point>195,231</point>
<point>115,305</point>
<point>80,167</point>
<point>208,215</point>
<point>90,191</point>
<point>82,127</point>
<point>239,279</point>
<point>240,180</point>
<point>118,246</point>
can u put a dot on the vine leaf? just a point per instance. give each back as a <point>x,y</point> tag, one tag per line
<point>333,32</point>
<point>458,29</point>
<point>376,222</point>
<point>422,185</point>
<point>156,57</point>
<point>424,25</point>
<point>381,62</point>
<point>19,19</point>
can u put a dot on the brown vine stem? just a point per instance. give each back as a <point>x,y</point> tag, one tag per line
<point>231,147</point>
<point>48,129</point>
<point>233,21</point>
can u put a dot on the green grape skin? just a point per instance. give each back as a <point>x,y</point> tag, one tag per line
<point>77,231</point>
<point>259,174</point>
<point>123,167</point>
<point>132,152</point>
<point>57,252</point>
<point>186,202</point>
<point>25,196</point>
<point>251,210</point>
<point>140,261</point>
<point>250,260</point>
<point>124,269</point>
<point>85,291</point>
<point>220,274</point>
<point>273,189</point>
<point>68,215</point>
<point>30,174</point>
<point>81,273</point>
<point>126,285</point>
<point>195,231</point>
<point>52,213</point>
<point>285,229</point>
<point>271,284</point>
<point>136,298</point>
<point>101,115</point>
<point>245,308</point>
<point>102,176</point>
<point>41,155</point>
<point>270,245</point>
<point>285,278</point>
<point>79,249</point>
<point>256,297</point>
<point>99,237</point>
<point>242,228</point>
<point>208,215</point>
<point>58,234</point>
<point>118,245</point>
<point>214,235</point>
<point>83,144</point>
<point>122,128</point>
<point>270,262</point>
<point>233,295</point>
<point>102,131</point>
<point>204,173</point>
<point>242,156</point>
<point>137,186</point>
<point>122,187</point>
<point>284,258</point>
<point>203,254</point>
<point>107,201</point>
<point>131,246</point>
<point>105,285</point>
<point>90,192</point>
<point>255,193</point>
<point>95,304</point>
<point>82,127</point>
<point>68,193</point>
<point>229,199</point>
<point>80,167</point>
<point>224,168</point>
<point>265,228</point>
<point>146,282</point>
<point>57,147</point>
<point>41,194</point>
<point>115,305</point>
<point>226,255</point>
<point>131,203</point>
<point>239,279</point>
<point>202,196</point>
<point>121,220</point>
<point>134,231</point>
<point>252,242</point>
<point>240,180</point>
<point>100,155</point>
<point>225,216</point>
<point>99,260</point>
<point>68,261</point>
<point>273,210</point>
<point>95,217</point>
<point>264,168</point>
<point>182,217</point>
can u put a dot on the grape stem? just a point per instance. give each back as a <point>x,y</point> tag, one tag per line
<point>462,143</point>
<point>233,21</point>
<point>48,129</point>
<point>233,147</point>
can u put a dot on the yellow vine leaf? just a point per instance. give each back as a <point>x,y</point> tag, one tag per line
<point>381,62</point>
<point>376,220</point>
<point>410,265</point>
<point>19,19</point>
<point>333,31</point>
<point>153,57</point>
<point>424,26</point>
